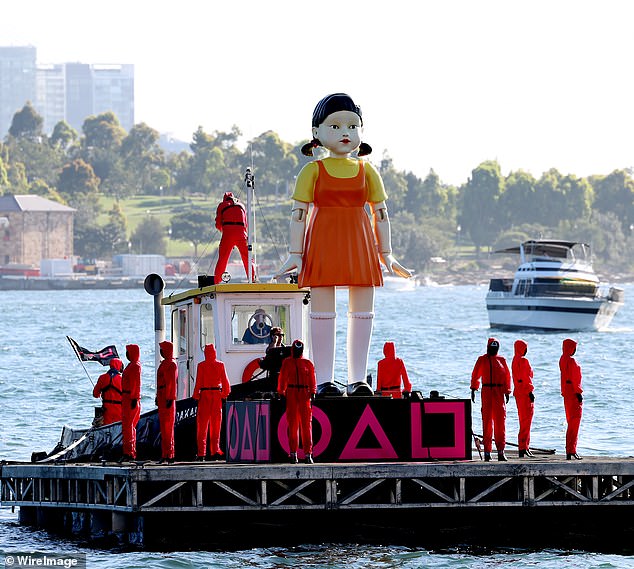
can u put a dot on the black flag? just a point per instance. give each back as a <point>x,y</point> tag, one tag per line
<point>102,356</point>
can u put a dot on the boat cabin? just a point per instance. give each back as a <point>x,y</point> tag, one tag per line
<point>236,319</point>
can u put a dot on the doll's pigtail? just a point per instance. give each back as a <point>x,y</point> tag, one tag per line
<point>307,149</point>
<point>364,149</point>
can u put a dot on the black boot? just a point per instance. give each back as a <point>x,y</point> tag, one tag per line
<point>574,455</point>
<point>328,389</point>
<point>293,458</point>
<point>309,459</point>
<point>502,457</point>
<point>487,456</point>
<point>521,453</point>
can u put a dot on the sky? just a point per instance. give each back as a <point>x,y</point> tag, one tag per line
<point>443,84</point>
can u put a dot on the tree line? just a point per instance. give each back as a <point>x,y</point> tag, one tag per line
<point>429,218</point>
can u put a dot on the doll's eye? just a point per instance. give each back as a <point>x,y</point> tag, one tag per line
<point>334,126</point>
<point>352,127</point>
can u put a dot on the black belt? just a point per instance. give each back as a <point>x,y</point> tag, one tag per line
<point>127,392</point>
<point>232,223</point>
<point>297,386</point>
<point>211,388</point>
<point>568,381</point>
<point>392,387</point>
<point>493,385</point>
<point>111,401</point>
<point>161,387</point>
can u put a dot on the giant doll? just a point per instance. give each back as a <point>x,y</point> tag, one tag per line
<point>338,243</point>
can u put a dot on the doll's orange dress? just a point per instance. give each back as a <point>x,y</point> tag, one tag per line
<point>339,247</point>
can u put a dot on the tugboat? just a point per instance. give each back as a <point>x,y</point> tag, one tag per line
<point>554,288</point>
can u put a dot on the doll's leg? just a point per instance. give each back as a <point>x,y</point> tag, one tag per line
<point>360,319</point>
<point>323,324</point>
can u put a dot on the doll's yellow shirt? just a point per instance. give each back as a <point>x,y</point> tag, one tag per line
<point>339,168</point>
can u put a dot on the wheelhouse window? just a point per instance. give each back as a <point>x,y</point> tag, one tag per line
<point>251,323</point>
<point>179,332</point>
<point>206,325</point>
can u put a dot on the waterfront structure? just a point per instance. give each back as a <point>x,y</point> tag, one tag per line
<point>33,228</point>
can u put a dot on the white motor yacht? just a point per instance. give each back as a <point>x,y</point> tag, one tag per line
<point>554,288</point>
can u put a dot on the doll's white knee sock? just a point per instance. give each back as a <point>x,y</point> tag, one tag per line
<point>322,338</point>
<point>359,334</point>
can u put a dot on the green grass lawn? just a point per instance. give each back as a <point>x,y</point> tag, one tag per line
<point>272,218</point>
<point>163,208</point>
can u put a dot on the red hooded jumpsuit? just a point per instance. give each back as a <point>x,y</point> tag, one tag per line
<point>297,382</point>
<point>496,383</point>
<point>166,378</point>
<point>108,387</point>
<point>391,374</point>
<point>131,400</point>
<point>523,384</point>
<point>571,392</point>
<point>212,386</point>
<point>231,221</point>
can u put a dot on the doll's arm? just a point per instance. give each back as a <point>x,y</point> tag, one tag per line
<point>383,233</point>
<point>298,229</point>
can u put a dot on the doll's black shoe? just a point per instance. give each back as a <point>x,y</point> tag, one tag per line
<point>502,457</point>
<point>487,457</point>
<point>521,454</point>
<point>360,389</point>
<point>574,455</point>
<point>293,458</point>
<point>328,389</point>
<point>309,459</point>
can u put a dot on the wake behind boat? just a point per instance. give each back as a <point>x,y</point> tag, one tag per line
<point>554,288</point>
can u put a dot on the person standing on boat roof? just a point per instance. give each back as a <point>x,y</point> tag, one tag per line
<point>391,374</point>
<point>130,400</point>
<point>339,247</point>
<point>231,221</point>
<point>166,379</point>
<point>108,387</point>
<point>571,391</point>
<point>524,396</point>
<point>297,382</point>
<point>212,386</point>
<point>496,389</point>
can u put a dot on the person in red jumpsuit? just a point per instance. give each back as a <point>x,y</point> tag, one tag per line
<point>298,383</point>
<point>391,375</point>
<point>231,221</point>
<point>496,389</point>
<point>130,400</point>
<point>524,396</point>
<point>166,378</point>
<point>108,387</point>
<point>212,386</point>
<point>571,391</point>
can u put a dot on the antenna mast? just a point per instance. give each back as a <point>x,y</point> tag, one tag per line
<point>249,184</point>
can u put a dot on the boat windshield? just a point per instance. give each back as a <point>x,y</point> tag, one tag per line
<point>251,323</point>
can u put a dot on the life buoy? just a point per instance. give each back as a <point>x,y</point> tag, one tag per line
<point>250,370</point>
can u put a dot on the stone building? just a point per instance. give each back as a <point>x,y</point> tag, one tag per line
<point>33,228</point>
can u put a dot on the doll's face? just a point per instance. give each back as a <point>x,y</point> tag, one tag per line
<point>340,132</point>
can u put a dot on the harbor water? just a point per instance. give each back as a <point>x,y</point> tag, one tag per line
<point>439,331</point>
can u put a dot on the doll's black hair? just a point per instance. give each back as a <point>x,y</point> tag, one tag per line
<point>328,105</point>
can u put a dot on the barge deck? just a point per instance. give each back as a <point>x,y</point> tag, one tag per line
<point>142,504</point>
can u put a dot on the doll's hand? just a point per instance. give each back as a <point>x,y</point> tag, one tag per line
<point>294,261</point>
<point>394,267</point>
